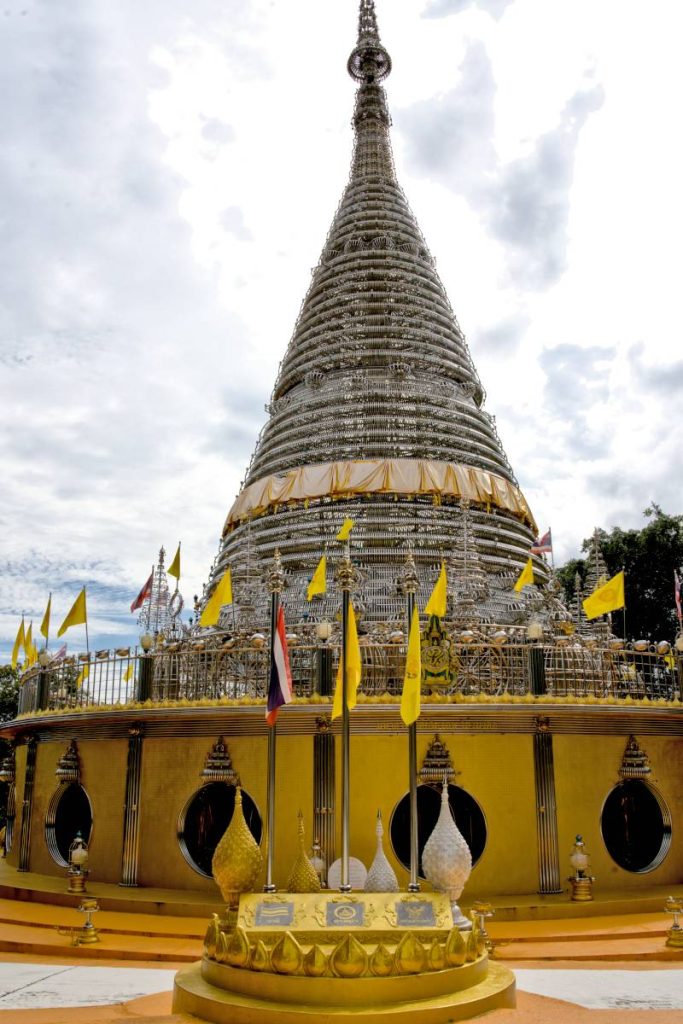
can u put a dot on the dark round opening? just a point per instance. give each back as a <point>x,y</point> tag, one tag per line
<point>204,820</point>
<point>636,826</point>
<point>466,812</point>
<point>69,812</point>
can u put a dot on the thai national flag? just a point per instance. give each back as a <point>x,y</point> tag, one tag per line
<point>280,687</point>
<point>677,595</point>
<point>544,545</point>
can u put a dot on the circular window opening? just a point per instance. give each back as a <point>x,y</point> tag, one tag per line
<point>204,819</point>
<point>466,811</point>
<point>636,826</point>
<point>69,812</point>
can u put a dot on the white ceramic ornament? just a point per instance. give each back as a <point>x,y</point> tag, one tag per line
<point>446,859</point>
<point>381,876</point>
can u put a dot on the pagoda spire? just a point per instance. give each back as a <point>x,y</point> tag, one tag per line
<point>378,380</point>
<point>369,62</point>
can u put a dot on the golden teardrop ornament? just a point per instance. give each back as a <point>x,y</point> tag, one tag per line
<point>260,961</point>
<point>382,962</point>
<point>211,937</point>
<point>348,959</point>
<point>456,950</point>
<point>287,956</point>
<point>315,962</point>
<point>471,951</point>
<point>237,951</point>
<point>222,948</point>
<point>410,955</point>
<point>303,876</point>
<point>436,956</point>
<point>237,860</point>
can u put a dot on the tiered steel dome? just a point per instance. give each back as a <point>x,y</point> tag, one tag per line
<point>377,409</point>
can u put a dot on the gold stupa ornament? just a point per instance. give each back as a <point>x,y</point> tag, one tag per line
<point>237,860</point>
<point>446,858</point>
<point>303,876</point>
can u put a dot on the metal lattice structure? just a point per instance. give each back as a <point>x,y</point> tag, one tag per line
<point>378,372</point>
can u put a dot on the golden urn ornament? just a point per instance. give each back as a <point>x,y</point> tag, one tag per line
<point>237,860</point>
<point>447,860</point>
<point>303,876</point>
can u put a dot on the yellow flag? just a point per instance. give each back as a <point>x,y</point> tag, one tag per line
<point>29,646</point>
<point>45,624</point>
<point>318,584</point>
<point>607,598</point>
<point>222,595</point>
<point>412,681</point>
<point>18,644</point>
<point>526,576</point>
<point>353,669</point>
<point>77,616</point>
<point>347,526</point>
<point>82,675</point>
<point>436,605</point>
<point>174,567</point>
<point>129,673</point>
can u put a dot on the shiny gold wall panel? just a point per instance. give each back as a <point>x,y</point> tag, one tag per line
<point>497,770</point>
<point>45,784</point>
<point>103,774</point>
<point>171,774</point>
<point>586,769</point>
<point>20,770</point>
<point>379,779</point>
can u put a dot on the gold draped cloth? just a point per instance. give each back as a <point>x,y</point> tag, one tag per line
<point>379,476</point>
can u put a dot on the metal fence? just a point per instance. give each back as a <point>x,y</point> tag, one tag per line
<point>187,672</point>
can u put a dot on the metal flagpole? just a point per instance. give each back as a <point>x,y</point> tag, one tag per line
<point>409,585</point>
<point>87,641</point>
<point>276,580</point>
<point>345,578</point>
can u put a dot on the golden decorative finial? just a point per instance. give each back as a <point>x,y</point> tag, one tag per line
<point>303,877</point>
<point>410,581</point>
<point>276,575</point>
<point>237,860</point>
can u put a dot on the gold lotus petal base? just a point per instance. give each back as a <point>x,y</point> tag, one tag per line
<point>226,995</point>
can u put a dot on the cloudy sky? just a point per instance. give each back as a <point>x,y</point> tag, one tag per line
<point>167,176</point>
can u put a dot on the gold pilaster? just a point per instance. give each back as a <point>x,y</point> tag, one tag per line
<point>323,790</point>
<point>27,804</point>
<point>131,814</point>
<point>546,813</point>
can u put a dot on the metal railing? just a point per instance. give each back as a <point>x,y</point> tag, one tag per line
<point>193,672</point>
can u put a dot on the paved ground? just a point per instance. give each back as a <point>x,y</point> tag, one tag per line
<point>34,986</point>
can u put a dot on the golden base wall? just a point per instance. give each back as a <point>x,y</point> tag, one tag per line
<point>493,751</point>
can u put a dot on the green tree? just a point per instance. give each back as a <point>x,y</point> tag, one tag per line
<point>649,558</point>
<point>9,701</point>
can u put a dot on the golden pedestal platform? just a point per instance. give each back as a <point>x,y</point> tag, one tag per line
<point>341,1000</point>
<point>380,957</point>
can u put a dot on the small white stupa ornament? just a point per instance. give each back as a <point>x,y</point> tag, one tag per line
<point>446,859</point>
<point>381,876</point>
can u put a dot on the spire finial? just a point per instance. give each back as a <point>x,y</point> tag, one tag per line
<point>369,63</point>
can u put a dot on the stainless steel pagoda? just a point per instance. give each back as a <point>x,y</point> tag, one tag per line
<point>377,414</point>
